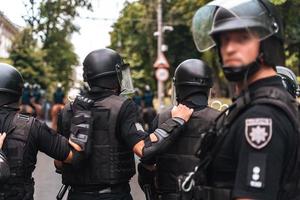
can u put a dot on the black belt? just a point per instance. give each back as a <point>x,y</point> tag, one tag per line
<point>102,189</point>
<point>209,193</point>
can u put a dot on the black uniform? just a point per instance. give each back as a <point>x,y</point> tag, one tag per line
<point>25,137</point>
<point>180,157</point>
<point>259,145</point>
<point>111,165</point>
<point>106,124</point>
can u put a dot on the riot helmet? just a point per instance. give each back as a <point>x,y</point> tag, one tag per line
<point>11,84</point>
<point>289,80</point>
<point>253,16</point>
<point>104,68</point>
<point>36,86</point>
<point>192,76</point>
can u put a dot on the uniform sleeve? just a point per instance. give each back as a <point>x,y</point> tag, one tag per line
<point>260,150</point>
<point>154,125</point>
<point>131,131</point>
<point>49,142</point>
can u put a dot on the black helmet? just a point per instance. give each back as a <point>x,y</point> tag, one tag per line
<point>11,80</point>
<point>100,68</point>
<point>249,17</point>
<point>252,15</point>
<point>289,80</point>
<point>191,76</point>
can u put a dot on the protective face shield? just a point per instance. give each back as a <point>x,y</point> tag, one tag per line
<point>227,15</point>
<point>124,78</point>
<point>173,95</point>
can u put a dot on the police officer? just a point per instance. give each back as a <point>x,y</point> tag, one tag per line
<point>26,106</point>
<point>36,93</point>
<point>254,152</point>
<point>148,97</point>
<point>149,112</point>
<point>289,80</point>
<point>26,95</point>
<point>193,81</point>
<point>25,137</point>
<point>58,105</point>
<point>59,95</point>
<point>115,134</point>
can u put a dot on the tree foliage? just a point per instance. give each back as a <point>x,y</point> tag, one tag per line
<point>28,59</point>
<point>133,38</point>
<point>51,24</point>
<point>132,35</point>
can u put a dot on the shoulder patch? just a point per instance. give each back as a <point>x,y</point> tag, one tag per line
<point>139,127</point>
<point>258,132</point>
<point>23,117</point>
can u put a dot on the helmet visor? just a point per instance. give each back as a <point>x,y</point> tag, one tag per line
<point>125,79</point>
<point>227,15</point>
<point>173,95</point>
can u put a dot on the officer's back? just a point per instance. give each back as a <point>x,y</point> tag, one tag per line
<point>193,81</point>
<point>25,137</point>
<point>115,131</point>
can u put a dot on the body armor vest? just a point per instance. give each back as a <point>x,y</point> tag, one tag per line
<point>20,180</point>
<point>111,161</point>
<point>213,140</point>
<point>180,157</point>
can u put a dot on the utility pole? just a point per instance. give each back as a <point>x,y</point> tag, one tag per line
<point>159,27</point>
<point>161,64</point>
<point>160,85</point>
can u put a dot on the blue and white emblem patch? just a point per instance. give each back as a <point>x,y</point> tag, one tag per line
<point>258,132</point>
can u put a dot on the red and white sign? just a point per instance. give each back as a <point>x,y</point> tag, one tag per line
<point>162,74</point>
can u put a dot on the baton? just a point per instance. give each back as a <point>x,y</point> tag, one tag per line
<point>148,193</point>
<point>62,192</point>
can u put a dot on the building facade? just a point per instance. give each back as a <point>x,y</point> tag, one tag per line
<point>8,31</point>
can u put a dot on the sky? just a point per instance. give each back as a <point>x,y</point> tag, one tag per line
<point>94,26</point>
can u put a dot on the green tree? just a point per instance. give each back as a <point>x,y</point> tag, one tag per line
<point>52,22</point>
<point>132,35</point>
<point>28,59</point>
<point>289,11</point>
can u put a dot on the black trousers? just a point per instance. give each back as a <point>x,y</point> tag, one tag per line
<point>75,195</point>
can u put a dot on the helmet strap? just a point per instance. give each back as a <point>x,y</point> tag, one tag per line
<point>242,72</point>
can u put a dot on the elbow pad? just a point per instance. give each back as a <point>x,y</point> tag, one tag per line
<point>165,133</point>
<point>4,168</point>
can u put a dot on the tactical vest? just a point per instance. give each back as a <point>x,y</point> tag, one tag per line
<point>111,161</point>
<point>180,157</point>
<point>213,140</point>
<point>20,181</point>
